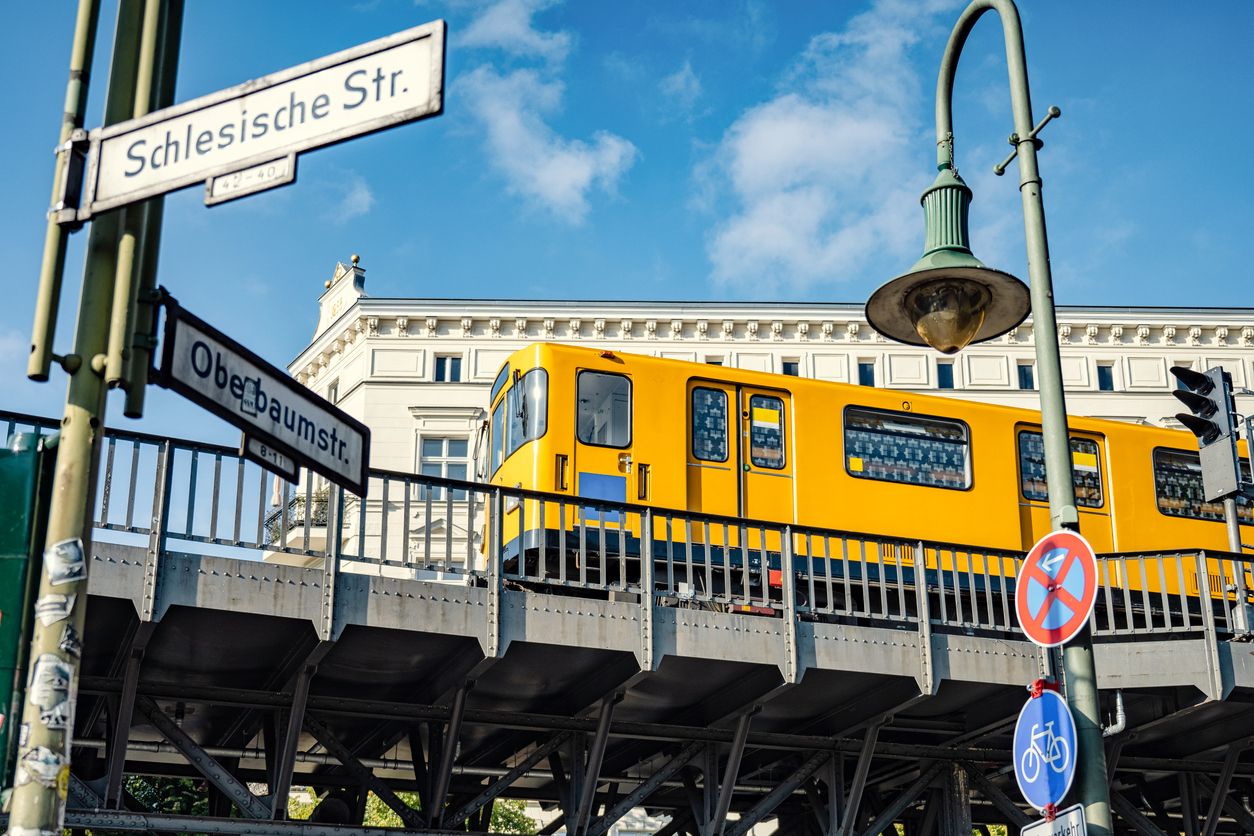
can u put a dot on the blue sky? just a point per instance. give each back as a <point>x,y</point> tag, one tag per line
<point>697,150</point>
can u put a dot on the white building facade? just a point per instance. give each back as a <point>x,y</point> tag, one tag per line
<point>418,371</point>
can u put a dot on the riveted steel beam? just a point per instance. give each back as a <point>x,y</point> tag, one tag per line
<point>849,817</point>
<point>505,781</point>
<point>1233,807</point>
<point>719,821</point>
<point>994,794</point>
<point>592,772</point>
<point>362,774</point>
<point>775,797</point>
<point>214,772</point>
<point>638,796</point>
<point>956,811</point>
<point>907,796</point>
<point>449,754</point>
<point>1220,792</point>
<point>125,820</point>
<point>288,745</point>
<point>1127,811</point>
<point>122,729</point>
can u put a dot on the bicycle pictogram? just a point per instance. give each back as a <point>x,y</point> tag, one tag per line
<point>1046,748</point>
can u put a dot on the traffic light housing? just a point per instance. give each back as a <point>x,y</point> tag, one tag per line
<point>1212,418</point>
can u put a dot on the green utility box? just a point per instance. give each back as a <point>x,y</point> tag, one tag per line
<point>26,464</point>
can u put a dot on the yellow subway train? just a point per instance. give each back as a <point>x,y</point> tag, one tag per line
<point>715,440</point>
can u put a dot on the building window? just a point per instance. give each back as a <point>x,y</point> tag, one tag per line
<point>866,372</point>
<point>448,368</point>
<point>333,392</point>
<point>766,432</point>
<point>603,413</point>
<point>709,424</point>
<point>944,375</point>
<point>714,361</point>
<point>792,367</point>
<point>1180,493</point>
<point>1085,470</point>
<point>1105,377</point>
<point>1027,378</point>
<point>445,458</point>
<point>899,447</point>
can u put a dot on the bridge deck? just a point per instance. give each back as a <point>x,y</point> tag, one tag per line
<point>197,656</point>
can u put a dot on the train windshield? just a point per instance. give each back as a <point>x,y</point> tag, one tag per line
<point>521,416</point>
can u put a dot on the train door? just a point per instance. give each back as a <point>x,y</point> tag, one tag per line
<point>713,471</point>
<point>603,463</point>
<point>1092,487</point>
<point>766,461</point>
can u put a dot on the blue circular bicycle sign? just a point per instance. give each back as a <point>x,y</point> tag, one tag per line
<point>1045,749</point>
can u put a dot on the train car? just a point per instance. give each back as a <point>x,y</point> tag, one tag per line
<point>706,439</point>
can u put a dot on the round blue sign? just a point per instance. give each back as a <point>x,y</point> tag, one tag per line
<point>1045,750</point>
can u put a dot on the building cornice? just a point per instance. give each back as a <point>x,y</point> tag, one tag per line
<point>744,323</point>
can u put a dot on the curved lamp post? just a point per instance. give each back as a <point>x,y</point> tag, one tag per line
<point>949,299</point>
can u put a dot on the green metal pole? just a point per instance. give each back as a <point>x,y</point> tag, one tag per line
<point>135,217</point>
<point>42,776</point>
<point>1078,666</point>
<point>51,269</point>
<point>144,330</point>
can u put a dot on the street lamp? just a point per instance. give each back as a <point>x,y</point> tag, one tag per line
<point>949,300</point>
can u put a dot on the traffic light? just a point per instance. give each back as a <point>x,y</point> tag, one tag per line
<point>1208,395</point>
<point>1212,418</point>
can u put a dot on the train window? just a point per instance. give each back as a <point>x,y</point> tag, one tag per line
<point>498,436</point>
<point>766,432</point>
<point>603,416</point>
<point>899,447</point>
<point>497,385</point>
<point>526,406</point>
<point>1178,488</point>
<point>1086,471</point>
<point>709,424</point>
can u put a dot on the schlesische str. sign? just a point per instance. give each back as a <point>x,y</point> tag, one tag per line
<point>370,87</point>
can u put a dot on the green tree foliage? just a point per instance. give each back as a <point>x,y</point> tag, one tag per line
<point>176,796</point>
<point>507,816</point>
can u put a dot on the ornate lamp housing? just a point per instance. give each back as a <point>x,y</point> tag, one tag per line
<point>948,299</point>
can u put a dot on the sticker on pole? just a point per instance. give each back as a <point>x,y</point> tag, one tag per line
<point>1056,588</point>
<point>1045,749</point>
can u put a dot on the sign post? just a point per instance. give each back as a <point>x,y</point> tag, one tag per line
<point>285,424</point>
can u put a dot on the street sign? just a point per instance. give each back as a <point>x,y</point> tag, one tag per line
<point>257,178</point>
<point>1068,822</point>
<point>1045,749</point>
<point>1056,588</point>
<point>271,459</point>
<point>370,87</point>
<point>210,369</point>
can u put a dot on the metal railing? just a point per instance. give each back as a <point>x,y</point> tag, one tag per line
<point>206,499</point>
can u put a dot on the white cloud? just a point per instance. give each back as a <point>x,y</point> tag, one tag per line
<point>353,197</point>
<point>546,169</point>
<point>681,89</point>
<point>821,178</point>
<point>507,25</point>
<point>538,164</point>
